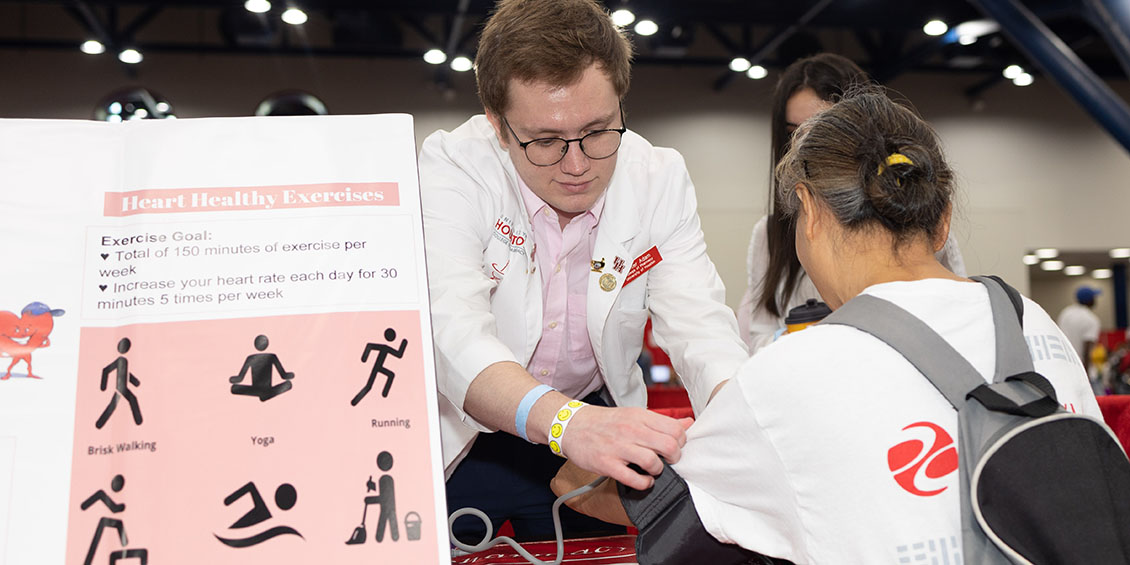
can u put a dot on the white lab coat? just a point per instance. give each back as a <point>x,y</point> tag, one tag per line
<point>486,293</point>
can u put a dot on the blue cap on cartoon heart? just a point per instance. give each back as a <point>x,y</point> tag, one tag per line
<point>1086,294</point>
<point>37,308</point>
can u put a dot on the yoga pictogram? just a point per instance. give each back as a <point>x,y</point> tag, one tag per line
<point>122,380</point>
<point>383,351</point>
<point>262,367</point>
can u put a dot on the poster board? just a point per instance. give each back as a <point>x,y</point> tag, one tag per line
<point>219,342</point>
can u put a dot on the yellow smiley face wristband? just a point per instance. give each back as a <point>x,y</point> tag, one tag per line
<point>560,423</point>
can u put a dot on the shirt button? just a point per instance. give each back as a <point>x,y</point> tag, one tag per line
<point>557,269</point>
<point>552,325</point>
<point>544,372</point>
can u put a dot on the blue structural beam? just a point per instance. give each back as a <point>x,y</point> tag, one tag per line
<point>1058,61</point>
<point>1112,19</point>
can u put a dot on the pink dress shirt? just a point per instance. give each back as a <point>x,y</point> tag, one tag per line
<point>564,358</point>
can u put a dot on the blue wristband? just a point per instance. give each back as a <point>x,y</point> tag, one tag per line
<point>524,407</point>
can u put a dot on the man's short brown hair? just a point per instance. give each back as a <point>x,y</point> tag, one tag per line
<point>550,41</point>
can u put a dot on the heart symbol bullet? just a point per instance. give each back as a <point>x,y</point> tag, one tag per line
<point>102,287</point>
<point>105,255</point>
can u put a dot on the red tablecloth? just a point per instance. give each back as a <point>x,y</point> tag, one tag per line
<point>615,550</point>
<point>1116,412</point>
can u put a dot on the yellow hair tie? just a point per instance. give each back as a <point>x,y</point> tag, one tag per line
<point>895,159</point>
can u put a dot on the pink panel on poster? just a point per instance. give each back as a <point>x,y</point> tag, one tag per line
<point>297,462</point>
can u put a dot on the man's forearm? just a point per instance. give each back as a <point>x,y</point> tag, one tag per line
<point>494,395</point>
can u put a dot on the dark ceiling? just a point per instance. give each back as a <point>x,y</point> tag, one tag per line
<point>885,36</point>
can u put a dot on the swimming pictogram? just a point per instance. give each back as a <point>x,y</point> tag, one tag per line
<point>262,367</point>
<point>383,351</point>
<point>285,498</point>
<point>116,484</point>
<point>122,380</point>
<point>386,498</point>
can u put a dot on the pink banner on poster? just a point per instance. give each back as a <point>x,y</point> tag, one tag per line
<point>179,200</point>
<point>285,439</point>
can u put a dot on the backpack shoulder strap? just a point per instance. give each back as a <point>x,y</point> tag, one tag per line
<point>945,368</point>
<point>1013,357</point>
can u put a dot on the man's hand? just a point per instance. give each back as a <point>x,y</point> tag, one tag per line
<point>606,440</point>
<point>602,503</point>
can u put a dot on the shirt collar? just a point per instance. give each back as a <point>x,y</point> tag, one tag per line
<point>535,205</point>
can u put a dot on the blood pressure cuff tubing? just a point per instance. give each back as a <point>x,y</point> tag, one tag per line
<point>670,531</point>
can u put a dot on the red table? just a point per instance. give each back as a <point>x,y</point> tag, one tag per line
<point>615,550</point>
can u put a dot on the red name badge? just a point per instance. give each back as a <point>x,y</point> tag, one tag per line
<point>643,263</point>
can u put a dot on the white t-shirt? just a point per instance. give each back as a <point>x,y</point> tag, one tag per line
<point>1080,325</point>
<point>758,327</point>
<point>793,458</point>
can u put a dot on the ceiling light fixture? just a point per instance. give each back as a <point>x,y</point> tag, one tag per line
<point>257,6</point>
<point>969,32</point>
<point>294,16</point>
<point>1023,79</point>
<point>623,17</point>
<point>435,57</point>
<point>92,47</point>
<point>1102,273</point>
<point>1047,253</point>
<point>1120,253</point>
<point>1012,71</point>
<point>740,64</point>
<point>461,64</point>
<point>757,72</point>
<point>646,27</point>
<point>130,56</point>
<point>935,28</point>
<point>1074,270</point>
<point>1054,265</point>
<point>1030,259</point>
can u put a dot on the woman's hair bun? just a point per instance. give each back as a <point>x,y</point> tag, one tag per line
<point>871,159</point>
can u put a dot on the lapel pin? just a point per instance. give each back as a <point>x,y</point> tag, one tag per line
<point>607,282</point>
<point>618,264</point>
<point>598,266</point>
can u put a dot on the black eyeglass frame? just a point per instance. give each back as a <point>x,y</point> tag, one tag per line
<point>580,141</point>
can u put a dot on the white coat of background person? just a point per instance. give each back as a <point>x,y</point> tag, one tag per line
<point>775,280</point>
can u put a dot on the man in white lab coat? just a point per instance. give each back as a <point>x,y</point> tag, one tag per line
<point>552,233</point>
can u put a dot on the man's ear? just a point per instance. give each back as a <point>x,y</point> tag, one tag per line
<point>943,233</point>
<point>499,132</point>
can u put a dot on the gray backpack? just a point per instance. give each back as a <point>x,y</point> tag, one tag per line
<point>1038,484</point>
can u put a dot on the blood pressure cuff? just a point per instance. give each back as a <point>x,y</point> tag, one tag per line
<point>670,531</point>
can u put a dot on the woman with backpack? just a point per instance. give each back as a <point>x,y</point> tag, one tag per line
<point>861,464</point>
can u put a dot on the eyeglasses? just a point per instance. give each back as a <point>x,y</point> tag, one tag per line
<point>547,151</point>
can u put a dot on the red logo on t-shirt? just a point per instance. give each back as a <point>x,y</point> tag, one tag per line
<point>917,468</point>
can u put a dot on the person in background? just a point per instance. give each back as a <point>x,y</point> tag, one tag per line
<point>1081,326</point>
<point>860,466</point>
<point>776,281</point>
<point>552,233</point>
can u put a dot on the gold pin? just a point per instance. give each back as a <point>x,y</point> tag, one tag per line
<point>597,266</point>
<point>607,282</point>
